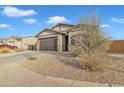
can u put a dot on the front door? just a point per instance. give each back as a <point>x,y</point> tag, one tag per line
<point>66,43</point>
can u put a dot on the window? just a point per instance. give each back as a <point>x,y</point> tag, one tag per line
<point>72,40</point>
<point>76,36</point>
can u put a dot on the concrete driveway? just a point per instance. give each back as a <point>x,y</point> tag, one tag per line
<point>13,75</point>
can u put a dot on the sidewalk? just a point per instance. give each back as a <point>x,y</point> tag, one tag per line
<point>13,75</point>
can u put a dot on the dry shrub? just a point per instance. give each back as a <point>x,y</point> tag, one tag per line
<point>92,42</point>
<point>20,50</point>
<point>94,62</point>
<point>32,58</point>
<point>5,50</point>
<point>75,53</point>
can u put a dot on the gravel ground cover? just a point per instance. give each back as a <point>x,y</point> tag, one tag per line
<point>60,65</point>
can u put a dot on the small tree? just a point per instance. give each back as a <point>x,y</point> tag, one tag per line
<point>91,38</point>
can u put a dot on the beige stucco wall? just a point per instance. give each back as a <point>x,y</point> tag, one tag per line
<point>60,42</point>
<point>26,41</point>
<point>72,47</point>
<point>61,38</point>
<point>38,44</point>
<point>61,28</point>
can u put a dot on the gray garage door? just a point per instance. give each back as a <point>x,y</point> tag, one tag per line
<point>48,44</point>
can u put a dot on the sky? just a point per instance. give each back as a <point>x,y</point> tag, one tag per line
<point>29,20</point>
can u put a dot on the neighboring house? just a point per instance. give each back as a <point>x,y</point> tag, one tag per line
<point>29,43</point>
<point>54,39</point>
<point>1,41</point>
<point>14,41</point>
<point>20,42</point>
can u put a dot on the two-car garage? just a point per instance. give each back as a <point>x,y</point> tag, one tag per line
<point>48,44</point>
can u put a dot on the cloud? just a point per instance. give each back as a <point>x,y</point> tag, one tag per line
<point>117,20</point>
<point>30,21</point>
<point>105,26</point>
<point>57,19</point>
<point>5,26</point>
<point>11,11</point>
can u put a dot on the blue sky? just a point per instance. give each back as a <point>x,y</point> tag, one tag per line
<point>29,20</point>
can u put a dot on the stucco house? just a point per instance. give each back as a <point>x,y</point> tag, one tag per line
<point>21,42</point>
<point>28,42</point>
<point>14,41</point>
<point>58,38</point>
<point>1,41</point>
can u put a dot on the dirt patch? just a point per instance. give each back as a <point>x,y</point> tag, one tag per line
<point>67,67</point>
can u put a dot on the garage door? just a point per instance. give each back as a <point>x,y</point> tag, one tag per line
<point>48,44</point>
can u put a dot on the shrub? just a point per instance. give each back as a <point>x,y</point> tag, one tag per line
<point>95,62</point>
<point>92,42</point>
<point>32,58</point>
<point>5,50</point>
<point>20,50</point>
<point>91,37</point>
<point>75,53</point>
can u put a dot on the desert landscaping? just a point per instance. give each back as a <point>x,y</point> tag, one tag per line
<point>59,65</point>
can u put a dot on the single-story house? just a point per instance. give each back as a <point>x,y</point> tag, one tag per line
<point>58,38</point>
